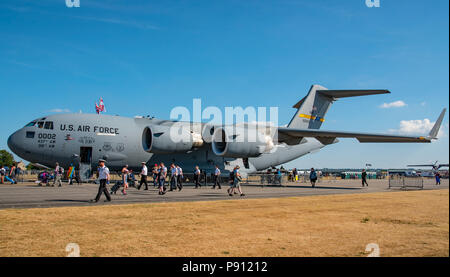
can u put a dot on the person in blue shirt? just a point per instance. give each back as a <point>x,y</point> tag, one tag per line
<point>438,179</point>
<point>236,182</point>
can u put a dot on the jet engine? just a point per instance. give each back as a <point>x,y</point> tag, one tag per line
<point>240,142</point>
<point>170,139</point>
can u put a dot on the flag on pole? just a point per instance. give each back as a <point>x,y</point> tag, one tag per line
<point>100,107</point>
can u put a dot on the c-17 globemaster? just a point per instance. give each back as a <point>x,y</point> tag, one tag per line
<point>82,139</point>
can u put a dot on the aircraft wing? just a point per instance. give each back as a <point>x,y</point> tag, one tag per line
<point>292,136</point>
<point>420,165</point>
<point>284,134</point>
<point>40,166</point>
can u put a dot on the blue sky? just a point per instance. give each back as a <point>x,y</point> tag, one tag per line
<point>146,57</point>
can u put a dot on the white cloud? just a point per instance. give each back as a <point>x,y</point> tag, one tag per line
<point>60,111</point>
<point>423,104</point>
<point>416,127</point>
<point>395,104</point>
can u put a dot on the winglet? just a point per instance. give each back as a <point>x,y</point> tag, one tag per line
<point>434,132</point>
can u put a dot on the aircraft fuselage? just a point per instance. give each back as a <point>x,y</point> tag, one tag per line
<point>85,138</point>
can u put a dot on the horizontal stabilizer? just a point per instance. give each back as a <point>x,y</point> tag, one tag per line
<point>352,92</point>
<point>343,93</point>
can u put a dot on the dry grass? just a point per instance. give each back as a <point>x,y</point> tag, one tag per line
<point>402,223</point>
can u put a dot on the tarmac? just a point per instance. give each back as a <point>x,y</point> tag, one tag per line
<point>29,195</point>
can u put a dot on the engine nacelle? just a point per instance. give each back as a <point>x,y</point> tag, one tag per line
<point>170,139</point>
<point>241,142</point>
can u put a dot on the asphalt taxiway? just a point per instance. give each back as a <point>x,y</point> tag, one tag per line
<point>29,195</point>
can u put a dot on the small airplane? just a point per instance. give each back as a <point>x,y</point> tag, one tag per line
<point>82,139</point>
<point>436,166</point>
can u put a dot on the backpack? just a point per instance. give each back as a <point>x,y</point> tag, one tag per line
<point>232,175</point>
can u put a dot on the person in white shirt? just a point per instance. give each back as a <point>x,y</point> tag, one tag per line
<point>144,173</point>
<point>217,178</point>
<point>197,176</point>
<point>104,177</point>
<point>59,171</point>
<point>2,174</point>
<point>179,178</point>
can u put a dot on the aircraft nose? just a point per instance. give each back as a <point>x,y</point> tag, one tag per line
<point>13,142</point>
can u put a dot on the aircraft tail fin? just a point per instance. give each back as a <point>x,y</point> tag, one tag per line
<point>311,110</point>
<point>435,130</point>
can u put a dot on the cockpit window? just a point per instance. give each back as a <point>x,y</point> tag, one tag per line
<point>31,124</point>
<point>48,125</point>
<point>40,124</point>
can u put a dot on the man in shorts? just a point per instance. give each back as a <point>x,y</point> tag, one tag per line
<point>236,182</point>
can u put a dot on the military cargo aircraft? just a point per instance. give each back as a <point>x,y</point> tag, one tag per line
<point>82,139</point>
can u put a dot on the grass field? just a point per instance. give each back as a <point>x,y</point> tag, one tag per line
<point>414,223</point>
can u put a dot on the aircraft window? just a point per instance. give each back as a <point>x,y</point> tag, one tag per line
<point>30,134</point>
<point>48,125</point>
<point>41,124</point>
<point>31,124</point>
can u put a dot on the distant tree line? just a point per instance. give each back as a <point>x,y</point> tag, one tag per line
<point>6,158</point>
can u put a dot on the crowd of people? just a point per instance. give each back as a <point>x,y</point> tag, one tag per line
<point>9,174</point>
<point>160,173</point>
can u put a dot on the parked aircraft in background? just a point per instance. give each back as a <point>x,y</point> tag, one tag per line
<point>436,166</point>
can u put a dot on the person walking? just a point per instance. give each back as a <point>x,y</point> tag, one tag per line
<point>179,178</point>
<point>12,173</point>
<point>70,174</point>
<point>236,182</point>
<point>155,175</point>
<point>173,177</point>
<point>197,174</point>
<point>279,176</point>
<point>295,174</point>
<point>144,172</point>
<point>59,171</point>
<point>2,174</point>
<point>162,179</point>
<point>313,177</point>
<point>125,174</point>
<point>217,178</point>
<point>438,179</point>
<point>104,177</point>
<point>364,178</point>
